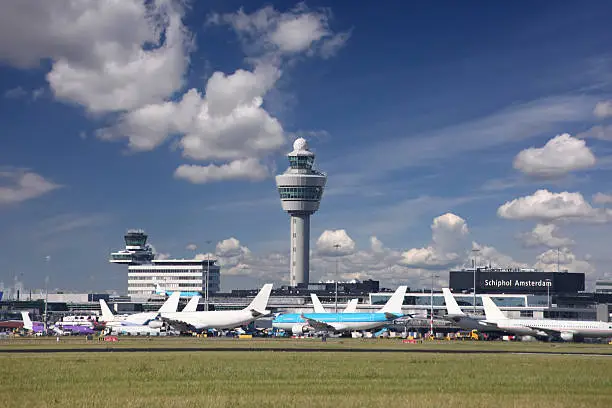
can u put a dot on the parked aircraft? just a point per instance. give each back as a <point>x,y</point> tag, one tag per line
<point>63,328</point>
<point>145,323</point>
<point>544,329</point>
<point>351,306</point>
<point>28,324</point>
<point>461,319</point>
<point>139,319</point>
<point>221,319</point>
<point>342,322</point>
<point>192,305</point>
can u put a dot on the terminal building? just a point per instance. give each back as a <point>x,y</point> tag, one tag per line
<point>147,275</point>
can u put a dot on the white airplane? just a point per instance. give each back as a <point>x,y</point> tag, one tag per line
<point>192,305</point>
<point>567,330</point>
<point>221,319</point>
<point>460,318</point>
<point>351,306</point>
<point>148,319</point>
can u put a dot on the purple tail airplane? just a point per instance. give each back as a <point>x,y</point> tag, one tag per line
<point>39,327</point>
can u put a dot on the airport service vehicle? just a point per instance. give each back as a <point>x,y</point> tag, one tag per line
<point>342,322</point>
<point>220,319</point>
<point>544,329</point>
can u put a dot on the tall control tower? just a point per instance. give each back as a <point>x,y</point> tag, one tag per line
<point>300,188</point>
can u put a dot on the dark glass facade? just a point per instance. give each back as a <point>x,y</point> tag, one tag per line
<point>516,282</point>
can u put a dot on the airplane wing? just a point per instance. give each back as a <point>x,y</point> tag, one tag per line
<point>392,316</point>
<point>259,313</point>
<point>318,325</point>
<point>550,332</point>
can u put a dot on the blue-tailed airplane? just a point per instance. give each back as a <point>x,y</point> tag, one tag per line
<point>299,323</point>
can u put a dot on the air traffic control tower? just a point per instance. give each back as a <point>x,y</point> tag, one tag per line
<point>300,188</point>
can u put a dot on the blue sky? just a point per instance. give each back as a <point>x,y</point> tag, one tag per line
<point>442,127</point>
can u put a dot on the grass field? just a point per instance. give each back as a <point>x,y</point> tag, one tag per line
<point>79,342</point>
<point>273,379</point>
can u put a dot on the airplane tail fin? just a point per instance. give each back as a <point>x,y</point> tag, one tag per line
<point>260,302</point>
<point>192,305</point>
<point>492,312</point>
<point>395,302</point>
<point>351,306</point>
<point>107,315</point>
<point>27,322</point>
<point>452,307</point>
<point>316,304</point>
<point>171,304</point>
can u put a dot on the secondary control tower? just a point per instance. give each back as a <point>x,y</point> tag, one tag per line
<point>300,188</point>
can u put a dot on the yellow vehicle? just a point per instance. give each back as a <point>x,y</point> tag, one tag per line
<point>467,335</point>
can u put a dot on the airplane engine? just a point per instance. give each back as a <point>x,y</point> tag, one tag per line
<point>528,338</point>
<point>567,336</point>
<point>298,329</point>
<point>156,324</point>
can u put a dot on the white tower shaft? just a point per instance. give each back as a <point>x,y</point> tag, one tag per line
<point>300,249</point>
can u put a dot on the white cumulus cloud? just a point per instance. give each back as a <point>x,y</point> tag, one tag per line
<point>564,259</point>
<point>546,206</point>
<point>105,55</point>
<point>603,109</point>
<point>326,242</point>
<point>448,244</point>
<point>268,31</point>
<point>559,156</point>
<point>226,124</point>
<point>248,169</point>
<point>17,185</point>
<point>545,235</point>
<point>601,198</point>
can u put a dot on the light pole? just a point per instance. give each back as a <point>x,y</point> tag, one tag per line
<point>548,283</point>
<point>47,259</point>
<point>206,281</point>
<point>475,252</point>
<point>336,297</point>
<point>432,311</point>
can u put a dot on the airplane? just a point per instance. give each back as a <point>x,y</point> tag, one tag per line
<point>192,305</point>
<point>351,306</point>
<point>220,319</point>
<point>37,328</point>
<point>544,329</point>
<point>342,322</point>
<point>63,328</point>
<point>145,323</point>
<point>139,319</point>
<point>461,319</point>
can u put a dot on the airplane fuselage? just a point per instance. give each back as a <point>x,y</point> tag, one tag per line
<point>217,319</point>
<point>544,327</point>
<point>339,321</point>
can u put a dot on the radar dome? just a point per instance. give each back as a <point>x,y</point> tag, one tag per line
<point>300,144</point>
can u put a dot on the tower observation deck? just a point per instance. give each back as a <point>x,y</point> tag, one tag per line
<point>136,249</point>
<point>300,188</point>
